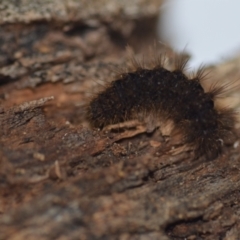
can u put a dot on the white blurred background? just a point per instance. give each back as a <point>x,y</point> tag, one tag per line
<point>207,29</point>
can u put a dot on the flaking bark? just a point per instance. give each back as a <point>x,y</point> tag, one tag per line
<point>59,179</point>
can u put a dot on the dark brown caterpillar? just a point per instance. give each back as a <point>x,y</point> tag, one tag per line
<point>161,95</point>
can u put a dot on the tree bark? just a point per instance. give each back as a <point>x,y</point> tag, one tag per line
<point>61,179</point>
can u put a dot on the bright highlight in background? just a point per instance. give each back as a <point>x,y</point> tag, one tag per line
<point>207,29</point>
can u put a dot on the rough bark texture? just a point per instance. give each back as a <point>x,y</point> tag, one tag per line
<point>59,179</point>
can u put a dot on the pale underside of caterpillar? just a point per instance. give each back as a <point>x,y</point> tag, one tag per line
<point>156,96</point>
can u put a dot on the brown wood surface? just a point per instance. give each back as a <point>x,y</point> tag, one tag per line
<point>60,179</point>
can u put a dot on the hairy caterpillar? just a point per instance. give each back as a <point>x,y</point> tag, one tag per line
<point>156,96</point>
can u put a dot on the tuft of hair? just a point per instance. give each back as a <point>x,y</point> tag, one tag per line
<point>200,75</point>
<point>218,90</point>
<point>159,61</point>
<point>180,63</point>
<point>135,64</point>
